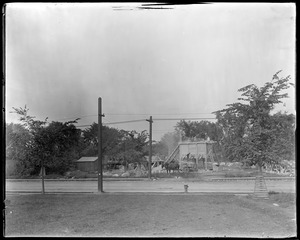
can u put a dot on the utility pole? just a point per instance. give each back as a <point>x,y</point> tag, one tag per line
<point>43,174</point>
<point>150,145</point>
<point>100,169</point>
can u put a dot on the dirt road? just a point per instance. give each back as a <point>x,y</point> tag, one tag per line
<point>163,185</point>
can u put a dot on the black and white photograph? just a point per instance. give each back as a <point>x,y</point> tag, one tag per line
<point>149,119</point>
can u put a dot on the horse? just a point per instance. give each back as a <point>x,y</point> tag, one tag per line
<point>171,166</point>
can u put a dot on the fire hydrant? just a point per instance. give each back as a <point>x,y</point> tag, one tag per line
<point>186,188</point>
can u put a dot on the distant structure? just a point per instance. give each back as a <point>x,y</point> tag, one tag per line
<point>198,154</point>
<point>87,164</point>
<point>156,163</point>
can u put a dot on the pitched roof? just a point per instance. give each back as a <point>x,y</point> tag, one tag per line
<point>87,159</point>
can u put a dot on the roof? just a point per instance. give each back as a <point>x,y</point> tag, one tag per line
<point>87,159</point>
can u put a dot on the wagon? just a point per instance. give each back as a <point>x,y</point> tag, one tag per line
<point>188,166</point>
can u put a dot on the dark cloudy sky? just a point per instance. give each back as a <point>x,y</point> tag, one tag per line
<point>183,62</point>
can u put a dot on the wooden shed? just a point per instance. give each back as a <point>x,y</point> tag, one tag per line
<point>87,164</point>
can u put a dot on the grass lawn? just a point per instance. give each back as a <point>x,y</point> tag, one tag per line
<point>142,215</point>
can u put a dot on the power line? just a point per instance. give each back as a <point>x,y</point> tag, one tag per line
<point>131,114</point>
<point>156,119</point>
<point>153,114</point>
<point>171,119</point>
<point>129,121</point>
<point>84,116</point>
<point>109,123</point>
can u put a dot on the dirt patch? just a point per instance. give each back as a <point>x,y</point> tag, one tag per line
<point>146,215</point>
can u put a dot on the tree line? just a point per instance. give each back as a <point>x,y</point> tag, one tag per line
<point>246,131</point>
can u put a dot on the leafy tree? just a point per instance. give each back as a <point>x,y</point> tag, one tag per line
<point>17,147</point>
<point>247,125</point>
<point>53,143</point>
<point>90,139</point>
<point>17,138</point>
<point>283,126</point>
<point>58,141</point>
<point>111,138</point>
<point>199,130</point>
<point>134,147</point>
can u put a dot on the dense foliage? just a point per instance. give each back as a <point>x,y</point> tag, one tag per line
<point>252,134</point>
<point>199,130</point>
<point>55,143</point>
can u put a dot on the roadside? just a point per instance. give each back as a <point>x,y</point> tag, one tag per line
<point>154,179</point>
<point>160,185</point>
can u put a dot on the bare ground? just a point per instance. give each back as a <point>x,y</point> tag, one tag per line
<point>143,215</point>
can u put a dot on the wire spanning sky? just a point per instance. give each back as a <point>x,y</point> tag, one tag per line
<point>186,61</point>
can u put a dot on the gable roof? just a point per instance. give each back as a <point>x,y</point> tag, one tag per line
<point>87,159</point>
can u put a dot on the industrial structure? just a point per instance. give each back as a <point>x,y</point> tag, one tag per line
<point>193,155</point>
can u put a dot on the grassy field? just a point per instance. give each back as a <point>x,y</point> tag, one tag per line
<point>142,215</point>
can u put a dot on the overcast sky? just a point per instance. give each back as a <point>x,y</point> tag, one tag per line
<point>187,61</point>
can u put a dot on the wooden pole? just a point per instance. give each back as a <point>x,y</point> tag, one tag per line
<point>150,145</point>
<point>43,174</point>
<point>100,170</point>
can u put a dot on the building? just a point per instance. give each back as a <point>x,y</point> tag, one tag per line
<point>87,164</point>
<point>200,153</point>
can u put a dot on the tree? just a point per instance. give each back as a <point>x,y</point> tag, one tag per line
<point>247,125</point>
<point>17,148</point>
<point>53,144</point>
<point>283,126</point>
<point>134,147</point>
<point>111,138</point>
<point>199,130</point>
<point>17,138</point>
<point>59,142</point>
